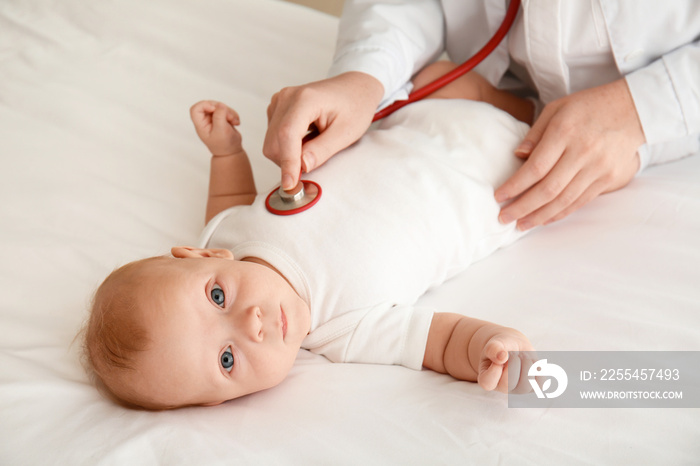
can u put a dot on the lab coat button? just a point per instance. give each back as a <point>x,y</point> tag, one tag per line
<point>634,55</point>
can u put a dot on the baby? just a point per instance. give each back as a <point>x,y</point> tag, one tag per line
<point>404,209</point>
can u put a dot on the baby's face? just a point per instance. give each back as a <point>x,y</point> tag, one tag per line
<point>221,328</point>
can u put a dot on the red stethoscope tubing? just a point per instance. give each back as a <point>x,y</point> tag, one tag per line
<point>419,94</point>
<point>446,79</point>
<point>465,67</point>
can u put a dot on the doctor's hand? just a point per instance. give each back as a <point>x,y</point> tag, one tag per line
<point>581,146</point>
<point>341,108</point>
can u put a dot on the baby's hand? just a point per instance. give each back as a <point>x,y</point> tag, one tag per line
<point>495,360</point>
<point>215,124</point>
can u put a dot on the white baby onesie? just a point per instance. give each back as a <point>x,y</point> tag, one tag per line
<point>402,210</point>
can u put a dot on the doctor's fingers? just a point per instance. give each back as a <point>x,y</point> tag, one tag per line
<point>581,190</point>
<point>543,176</point>
<point>605,183</point>
<point>339,134</point>
<point>542,150</point>
<point>288,122</point>
<point>600,172</point>
<point>550,195</point>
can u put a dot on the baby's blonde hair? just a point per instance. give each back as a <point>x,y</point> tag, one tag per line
<point>115,334</point>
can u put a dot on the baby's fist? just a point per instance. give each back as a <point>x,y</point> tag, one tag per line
<point>503,354</point>
<point>215,125</point>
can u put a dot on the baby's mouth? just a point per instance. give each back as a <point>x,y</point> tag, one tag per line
<point>283,318</point>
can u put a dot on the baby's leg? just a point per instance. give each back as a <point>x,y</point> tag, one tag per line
<point>469,86</point>
<point>472,86</point>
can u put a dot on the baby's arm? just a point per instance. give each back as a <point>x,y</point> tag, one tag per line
<point>473,86</point>
<point>476,351</point>
<point>231,180</point>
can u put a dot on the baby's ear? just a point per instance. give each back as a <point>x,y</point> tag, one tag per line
<point>184,252</point>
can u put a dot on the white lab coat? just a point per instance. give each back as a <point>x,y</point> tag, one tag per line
<point>653,44</point>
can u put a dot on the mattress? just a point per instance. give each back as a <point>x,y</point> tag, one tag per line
<point>101,166</point>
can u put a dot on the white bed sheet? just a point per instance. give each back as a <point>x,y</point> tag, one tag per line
<point>100,166</point>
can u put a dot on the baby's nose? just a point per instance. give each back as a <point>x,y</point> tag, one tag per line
<point>252,323</point>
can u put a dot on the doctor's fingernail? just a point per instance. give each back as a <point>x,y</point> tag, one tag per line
<point>525,148</point>
<point>505,218</point>
<point>501,197</point>
<point>524,225</point>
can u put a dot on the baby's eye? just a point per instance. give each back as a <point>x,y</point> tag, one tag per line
<point>217,295</point>
<point>227,359</point>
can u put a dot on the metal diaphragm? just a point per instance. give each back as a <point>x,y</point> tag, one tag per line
<point>302,197</point>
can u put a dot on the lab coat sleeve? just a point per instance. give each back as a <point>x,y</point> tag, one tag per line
<point>390,40</point>
<point>382,334</point>
<point>666,94</point>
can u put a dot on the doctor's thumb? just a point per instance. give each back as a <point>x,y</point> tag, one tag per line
<point>291,172</point>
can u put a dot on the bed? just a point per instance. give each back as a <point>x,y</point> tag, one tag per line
<point>101,166</point>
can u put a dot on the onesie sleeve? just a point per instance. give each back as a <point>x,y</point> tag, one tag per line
<point>390,40</point>
<point>383,334</point>
<point>666,94</point>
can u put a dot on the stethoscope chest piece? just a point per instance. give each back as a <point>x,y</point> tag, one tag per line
<point>304,196</point>
<point>307,193</point>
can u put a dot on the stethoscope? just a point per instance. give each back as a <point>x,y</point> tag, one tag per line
<point>307,193</point>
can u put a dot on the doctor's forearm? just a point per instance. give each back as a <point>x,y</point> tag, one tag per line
<point>388,40</point>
